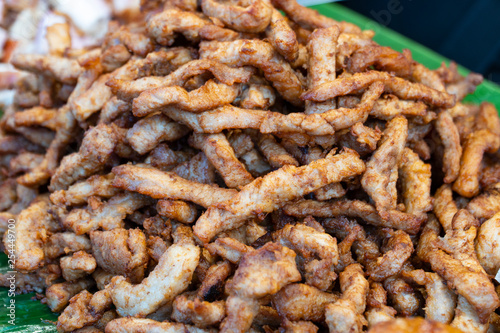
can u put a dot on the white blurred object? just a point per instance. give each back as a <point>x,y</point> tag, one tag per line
<point>89,16</point>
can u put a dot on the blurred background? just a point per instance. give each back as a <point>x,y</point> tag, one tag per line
<point>466,31</point>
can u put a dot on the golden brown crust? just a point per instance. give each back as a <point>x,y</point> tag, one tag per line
<point>397,250</point>
<point>86,309</point>
<point>33,225</point>
<point>214,281</point>
<point>185,69</point>
<point>415,178</point>
<point>220,153</point>
<point>487,204</point>
<point>310,244</point>
<point>108,215</point>
<point>210,96</point>
<point>390,106</point>
<point>486,245</point>
<point>441,301</point>
<point>394,85</point>
<point>261,272</point>
<point>59,68</point>
<point>65,243</point>
<point>261,55</point>
<point>170,277</point>
<point>190,310</point>
<point>302,302</point>
<point>148,132</point>
<point>138,325</point>
<point>403,297</point>
<point>58,295</point>
<point>411,325</point>
<point>353,208</point>
<point>379,180</point>
<point>77,265</point>
<point>322,48</point>
<point>381,58</point>
<point>178,210</point>
<point>80,192</point>
<point>282,36</point>
<point>311,19</point>
<point>460,268</point>
<point>346,314</point>
<point>305,126</point>
<point>276,155</point>
<point>187,157</point>
<point>248,16</point>
<point>476,144</point>
<point>163,26</point>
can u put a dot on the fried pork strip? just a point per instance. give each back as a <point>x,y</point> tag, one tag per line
<point>59,68</point>
<point>147,133</point>
<point>220,153</point>
<point>322,48</point>
<point>311,19</point>
<point>296,182</point>
<point>282,36</point>
<point>416,183</point>
<point>167,185</point>
<point>476,144</point>
<point>260,272</point>
<point>327,123</point>
<point>163,26</point>
<point>346,314</point>
<point>170,277</point>
<point>452,149</point>
<point>209,96</point>
<point>108,215</point>
<point>139,325</point>
<point>128,90</point>
<point>80,192</point>
<point>64,134</point>
<point>353,208</point>
<point>254,17</point>
<point>187,157</point>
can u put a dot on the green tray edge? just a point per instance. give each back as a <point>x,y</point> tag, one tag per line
<point>36,313</point>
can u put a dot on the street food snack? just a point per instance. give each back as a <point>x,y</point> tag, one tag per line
<point>222,166</point>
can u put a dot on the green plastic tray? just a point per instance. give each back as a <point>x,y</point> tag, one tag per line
<point>32,316</point>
